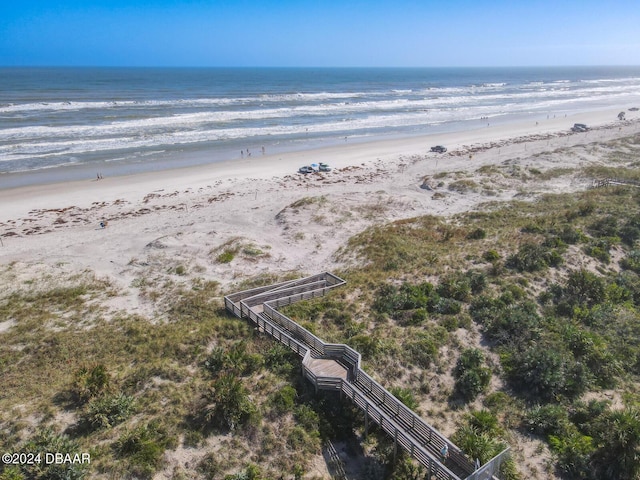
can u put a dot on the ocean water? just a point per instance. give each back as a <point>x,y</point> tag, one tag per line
<point>61,123</point>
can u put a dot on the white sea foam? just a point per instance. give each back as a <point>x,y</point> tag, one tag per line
<point>49,131</point>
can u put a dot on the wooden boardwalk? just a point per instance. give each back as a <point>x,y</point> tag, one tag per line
<point>325,367</point>
<point>609,182</point>
<point>337,367</point>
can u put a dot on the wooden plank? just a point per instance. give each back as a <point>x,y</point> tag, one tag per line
<point>327,368</point>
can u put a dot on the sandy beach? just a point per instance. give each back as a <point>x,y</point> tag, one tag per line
<point>160,220</point>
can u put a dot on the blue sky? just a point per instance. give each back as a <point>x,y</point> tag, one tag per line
<point>319,33</point>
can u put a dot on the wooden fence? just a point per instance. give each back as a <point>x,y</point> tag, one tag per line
<point>607,182</point>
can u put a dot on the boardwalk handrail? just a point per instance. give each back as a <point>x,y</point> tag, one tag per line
<point>411,432</point>
<point>605,182</point>
<point>396,431</point>
<point>415,424</point>
<point>426,433</point>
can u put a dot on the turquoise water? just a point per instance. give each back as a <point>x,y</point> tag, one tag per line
<point>57,123</point>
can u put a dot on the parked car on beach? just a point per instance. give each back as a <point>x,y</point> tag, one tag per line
<point>439,149</point>
<point>324,167</point>
<point>579,127</point>
<point>306,169</point>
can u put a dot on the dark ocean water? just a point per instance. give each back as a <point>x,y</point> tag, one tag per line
<point>56,120</point>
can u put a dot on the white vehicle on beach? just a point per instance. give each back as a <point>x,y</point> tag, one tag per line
<point>324,167</point>
<point>306,169</point>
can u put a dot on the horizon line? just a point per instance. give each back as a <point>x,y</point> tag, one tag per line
<point>324,66</point>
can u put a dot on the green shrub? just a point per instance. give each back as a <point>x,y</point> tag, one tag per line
<point>586,208</point>
<point>390,299</point>
<point>547,372</point>
<point>570,235</point>
<point>472,376</point>
<point>339,316</point>
<point>618,437</point>
<point>582,288</point>
<point>477,281</point>
<point>471,383</point>
<point>209,465</point>
<point>463,186</point>
<point>143,447</point>
<point>283,400</point>
<point>455,286</point>
<point>547,420</point>
<point>573,454</point>
<point>405,318</point>
<point>252,472</point>
<point>421,348</point>
<point>477,234</point>
<point>631,261</point>
<point>592,350</point>
<point>533,257</point>
<point>304,441</point>
<point>297,438</point>
<point>477,444</point>
<point>554,259</point>
<point>229,405</point>
<point>307,417</point>
<point>367,345</point>
<point>226,257</point>
<point>505,322</point>
<point>450,323</point>
<point>418,316</point>
<point>216,360</point>
<point>447,306</point>
<point>11,473</point>
<point>599,249</point>
<point>630,281</point>
<point>109,410</point>
<point>406,396</point>
<point>280,359</point>
<point>630,232</point>
<point>491,256</point>
<point>497,401</point>
<point>532,227</point>
<point>587,415</point>
<point>90,382</point>
<point>553,241</point>
<point>604,227</point>
<point>484,421</point>
<point>47,441</point>
<point>234,360</point>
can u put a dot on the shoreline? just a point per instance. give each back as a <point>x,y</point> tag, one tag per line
<point>276,221</point>
<point>135,186</point>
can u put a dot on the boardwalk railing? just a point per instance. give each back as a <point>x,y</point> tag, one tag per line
<point>408,430</point>
<point>607,182</point>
